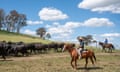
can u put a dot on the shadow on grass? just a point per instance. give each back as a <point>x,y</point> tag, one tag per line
<point>89,68</point>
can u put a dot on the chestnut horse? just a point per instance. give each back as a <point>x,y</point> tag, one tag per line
<point>74,55</point>
<point>109,46</point>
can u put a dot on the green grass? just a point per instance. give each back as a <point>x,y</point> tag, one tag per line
<point>55,62</point>
<point>60,62</point>
<point>15,37</point>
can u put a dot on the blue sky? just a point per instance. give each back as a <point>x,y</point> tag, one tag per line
<point>67,19</point>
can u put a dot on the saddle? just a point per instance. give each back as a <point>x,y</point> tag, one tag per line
<point>83,50</point>
<point>80,51</point>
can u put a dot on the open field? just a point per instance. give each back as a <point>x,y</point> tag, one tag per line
<point>14,37</point>
<point>60,62</point>
<point>53,61</point>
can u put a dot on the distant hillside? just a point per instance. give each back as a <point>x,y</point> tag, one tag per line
<point>15,37</point>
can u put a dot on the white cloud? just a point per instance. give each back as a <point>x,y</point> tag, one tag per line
<point>34,22</point>
<point>72,24</point>
<point>62,31</point>
<point>101,5</point>
<point>29,32</point>
<point>65,31</point>
<point>97,22</point>
<point>111,35</point>
<point>51,14</point>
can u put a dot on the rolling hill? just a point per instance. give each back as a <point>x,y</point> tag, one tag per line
<point>15,37</point>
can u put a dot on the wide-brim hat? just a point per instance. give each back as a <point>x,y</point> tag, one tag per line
<point>80,38</point>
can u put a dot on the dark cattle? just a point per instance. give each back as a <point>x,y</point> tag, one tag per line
<point>2,49</point>
<point>21,49</point>
<point>53,46</point>
<point>56,46</point>
<point>40,47</point>
<point>60,46</point>
<point>8,47</point>
<point>30,46</point>
<point>18,47</point>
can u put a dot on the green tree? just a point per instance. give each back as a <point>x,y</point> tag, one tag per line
<point>87,39</point>
<point>11,20</point>
<point>15,21</point>
<point>2,17</point>
<point>95,41</point>
<point>21,22</point>
<point>48,36</point>
<point>41,31</point>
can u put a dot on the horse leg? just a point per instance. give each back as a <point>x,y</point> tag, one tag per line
<point>3,56</point>
<point>72,63</point>
<point>110,50</point>
<point>75,63</point>
<point>103,49</point>
<point>91,58</point>
<point>86,59</point>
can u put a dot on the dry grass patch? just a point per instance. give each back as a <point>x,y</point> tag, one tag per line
<point>59,62</point>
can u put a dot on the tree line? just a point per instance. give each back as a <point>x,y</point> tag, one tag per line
<point>88,39</point>
<point>42,32</point>
<point>13,21</point>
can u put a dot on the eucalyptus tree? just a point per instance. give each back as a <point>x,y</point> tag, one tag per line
<point>14,21</point>
<point>2,17</point>
<point>48,35</point>
<point>87,39</point>
<point>11,20</point>
<point>21,22</point>
<point>41,32</point>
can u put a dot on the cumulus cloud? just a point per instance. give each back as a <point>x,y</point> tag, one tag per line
<point>34,22</point>
<point>51,14</point>
<point>111,35</point>
<point>101,5</point>
<point>97,22</point>
<point>72,24</point>
<point>29,32</point>
<point>62,31</point>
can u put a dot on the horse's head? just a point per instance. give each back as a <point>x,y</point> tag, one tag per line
<point>101,43</point>
<point>64,47</point>
<point>67,47</point>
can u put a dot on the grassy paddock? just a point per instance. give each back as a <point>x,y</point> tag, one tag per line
<point>60,62</point>
<point>55,62</point>
<point>15,37</point>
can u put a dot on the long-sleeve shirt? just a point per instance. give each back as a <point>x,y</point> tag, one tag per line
<point>82,44</point>
<point>106,41</point>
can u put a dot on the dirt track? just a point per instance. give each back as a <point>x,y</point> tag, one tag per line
<point>55,55</point>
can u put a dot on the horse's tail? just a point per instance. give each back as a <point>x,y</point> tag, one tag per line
<point>94,56</point>
<point>113,47</point>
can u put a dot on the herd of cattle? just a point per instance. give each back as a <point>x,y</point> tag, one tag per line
<point>16,48</point>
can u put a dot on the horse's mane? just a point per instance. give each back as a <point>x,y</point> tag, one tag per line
<point>70,45</point>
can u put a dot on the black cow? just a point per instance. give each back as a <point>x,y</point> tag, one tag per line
<point>53,45</point>
<point>40,47</point>
<point>2,49</point>
<point>60,46</point>
<point>56,46</point>
<point>17,47</point>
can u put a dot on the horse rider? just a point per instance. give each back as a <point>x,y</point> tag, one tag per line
<point>81,47</point>
<point>106,41</point>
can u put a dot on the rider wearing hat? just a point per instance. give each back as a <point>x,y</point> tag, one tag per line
<point>106,41</point>
<point>81,40</point>
<point>81,48</point>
